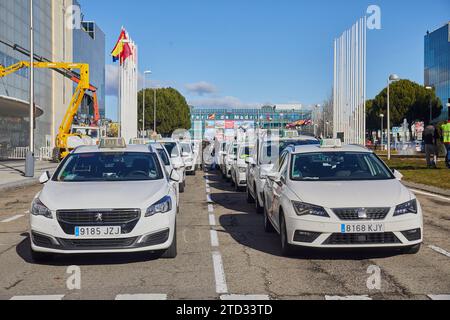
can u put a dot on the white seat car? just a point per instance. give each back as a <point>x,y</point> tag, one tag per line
<point>340,197</point>
<point>239,167</point>
<point>262,161</point>
<point>188,156</point>
<point>223,152</point>
<point>105,199</point>
<point>230,157</point>
<point>174,150</point>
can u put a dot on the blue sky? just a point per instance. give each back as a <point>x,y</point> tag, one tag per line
<point>246,52</point>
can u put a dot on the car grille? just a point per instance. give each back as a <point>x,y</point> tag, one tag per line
<point>93,244</point>
<point>125,218</point>
<point>352,213</point>
<point>362,238</point>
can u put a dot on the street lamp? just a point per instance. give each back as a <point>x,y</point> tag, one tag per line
<point>143,104</point>
<point>29,160</point>
<point>382,123</point>
<point>431,106</point>
<point>392,78</point>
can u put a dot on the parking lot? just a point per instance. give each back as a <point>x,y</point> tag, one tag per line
<point>224,252</point>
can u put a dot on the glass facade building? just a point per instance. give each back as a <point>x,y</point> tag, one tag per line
<point>437,65</point>
<point>89,47</point>
<point>223,121</point>
<point>14,28</point>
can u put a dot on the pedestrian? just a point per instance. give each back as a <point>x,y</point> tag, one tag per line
<point>446,139</point>
<point>430,137</point>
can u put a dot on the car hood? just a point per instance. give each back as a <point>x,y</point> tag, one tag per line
<point>102,195</point>
<point>350,194</point>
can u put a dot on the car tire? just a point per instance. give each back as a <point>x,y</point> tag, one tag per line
<point>268,227</point>
<point>413,250</point>
<point>40,257</point>
<point>258,208</point>
<point>171,252</point>
<point>182,185</point>
<point>250,198</point>
<point>286,248</point>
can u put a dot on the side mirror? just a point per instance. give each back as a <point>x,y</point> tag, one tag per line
<point>177,166</point>
<point>45,177</point>
<point>274,176</point>
<point>397,175</point>
<point>174,176</point>
<point>250,161</point>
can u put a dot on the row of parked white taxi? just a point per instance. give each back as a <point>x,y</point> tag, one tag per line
<point>323,194</point>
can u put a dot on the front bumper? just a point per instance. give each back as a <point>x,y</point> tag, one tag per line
<point>241,178</point>
<point>189,166</point>
<point>317,232</point>
<point>149,234</point>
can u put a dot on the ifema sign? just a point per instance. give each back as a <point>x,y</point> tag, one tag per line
<point>349,87</point>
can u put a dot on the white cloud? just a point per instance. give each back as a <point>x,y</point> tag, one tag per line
<point>201,88</point>
<point>224,102</point>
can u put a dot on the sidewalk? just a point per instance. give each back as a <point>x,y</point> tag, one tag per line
<point>12,173</point>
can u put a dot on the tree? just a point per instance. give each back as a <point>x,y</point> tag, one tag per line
<point>408,100</point>
<point>172,110</point>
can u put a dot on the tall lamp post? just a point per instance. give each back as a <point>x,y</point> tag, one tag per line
<point>382,124</point>
<point>29,160</point>
<point>143,104</point>
<point>392,78</point>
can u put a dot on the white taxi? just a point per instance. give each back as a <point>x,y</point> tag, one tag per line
<point>334,196</point>
<point>106,199</point>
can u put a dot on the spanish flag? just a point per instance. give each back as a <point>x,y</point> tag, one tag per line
<point>122,49</point>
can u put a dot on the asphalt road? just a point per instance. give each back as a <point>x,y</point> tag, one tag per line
<point>223,252</point>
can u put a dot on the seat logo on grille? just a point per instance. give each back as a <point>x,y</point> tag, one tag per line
<point>362,213</point>
<point>99,217</point>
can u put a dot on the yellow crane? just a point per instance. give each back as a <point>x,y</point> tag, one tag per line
<point>62,145</point>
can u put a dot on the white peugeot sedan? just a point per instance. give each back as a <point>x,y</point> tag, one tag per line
<point>187,153</point>
<point>107,199</point>
<point>239,166</point>
<point>335,196</point>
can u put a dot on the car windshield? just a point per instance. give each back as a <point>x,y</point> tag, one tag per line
<point>245,152</point>
<point>116,166</point>
<point>271,151</point>
<point>172,149</point>
<point>163,155</point>
<point>338,166</point>
<point>185,147</point>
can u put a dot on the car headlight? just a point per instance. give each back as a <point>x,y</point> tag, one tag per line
<point>162,206</point>
<point>405,208</point>
<point>39,209</point>
<point>242,170</point>
<point>305,209</point>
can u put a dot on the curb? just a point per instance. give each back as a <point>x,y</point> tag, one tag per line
<point>19,184</point>
<point>430,189</point>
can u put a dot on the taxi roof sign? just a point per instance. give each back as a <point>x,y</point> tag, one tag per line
<point>112,143</point>
<point>331,143</point>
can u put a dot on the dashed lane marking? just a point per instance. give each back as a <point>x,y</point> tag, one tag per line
<point>208,190</point>
<point>18,216</point>
<point>430,195</point>
<point>212,220</point>
<point>245,297</point>
<point>365,297</point>
<point>219,273</point>
<point>440,250</point>
<point>443,297</point>
<point>39,298</point>
<point>208,199</point>
<point>214,238</point>
<point>210,208</point>
<point>144,296</point>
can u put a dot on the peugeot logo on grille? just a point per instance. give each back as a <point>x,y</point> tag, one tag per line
<point>362,213</point>
<point>99,217</point>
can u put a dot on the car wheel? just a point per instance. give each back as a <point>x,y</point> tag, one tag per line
<point>41,256</point>
<point>250,198</point>
<point>413,250</point>
<point>286,248</point>
<point>182,187</point>
<point>268,227</point>
<point>259,209</point>
<point>171,252</point>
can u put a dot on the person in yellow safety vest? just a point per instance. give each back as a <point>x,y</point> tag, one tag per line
<point>446,139</point>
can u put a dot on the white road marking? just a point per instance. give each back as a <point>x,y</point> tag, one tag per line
<point>39,298</point>
<point>365,297</point>
<point>430,194</point>
<point>210,208</point>
<point>208,199</point>
<point>443,297</point>
<point>145,296</point>
<point>212,220</point>
<point>440,250</point>
<point>27,212</point>
<point>208,190</point>
<point>214,238</point>
<point>245,297</point>
<point>12,218</point>
<point>219,273</point>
